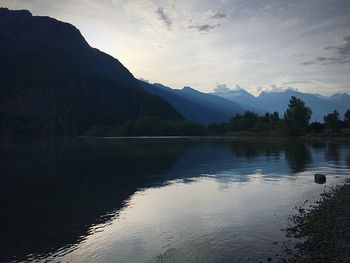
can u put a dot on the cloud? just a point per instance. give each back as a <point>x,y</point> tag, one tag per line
<point>308,63</point>
<point>344,48</point>
<point>296,82</point>
<point>332,60</point>
<point>290,23</point>
<point>206,22</point>
<point>342,55</point>
<point>164,17</point>
<point>328,61</point>
<point>329,48</point>
<point>223,88</point>
<point>218,15</point>
<point>204,27</point>
<point>272,88</point>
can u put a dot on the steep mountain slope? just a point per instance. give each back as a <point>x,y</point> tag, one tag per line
<point>54,83</point>
<point>194,105</point>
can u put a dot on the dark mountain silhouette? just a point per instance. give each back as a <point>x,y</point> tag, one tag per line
<point>54,83</point>
<point>278,101</point>
<point>195,105</point>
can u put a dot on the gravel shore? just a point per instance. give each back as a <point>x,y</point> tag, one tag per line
<point>324,231</point>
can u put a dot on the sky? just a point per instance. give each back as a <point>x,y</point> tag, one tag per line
<point>258,45</point>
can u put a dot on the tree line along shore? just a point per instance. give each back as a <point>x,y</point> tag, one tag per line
<point>295,122</point>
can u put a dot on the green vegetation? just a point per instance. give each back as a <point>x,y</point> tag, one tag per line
<point>347,117</point>
<point>297,116</point>
<point>296,122</point>
<point>151,126</point>
<point>332,121</point>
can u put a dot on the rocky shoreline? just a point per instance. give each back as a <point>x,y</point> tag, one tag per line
<point>323,233</point>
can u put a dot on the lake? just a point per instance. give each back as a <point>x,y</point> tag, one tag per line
<point>158,199</point>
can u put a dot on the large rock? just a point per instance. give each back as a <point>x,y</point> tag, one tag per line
<point>320,178</point>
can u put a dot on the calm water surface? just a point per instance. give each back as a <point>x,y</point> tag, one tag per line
<point>157,200</point>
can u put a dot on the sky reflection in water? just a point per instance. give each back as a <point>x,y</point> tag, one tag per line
<point>165,200</point>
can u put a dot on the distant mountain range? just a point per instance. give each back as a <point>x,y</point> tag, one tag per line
<point>220,106</point>
<point>278,101</point>
<point>53,83</point>
<point>195,105</point>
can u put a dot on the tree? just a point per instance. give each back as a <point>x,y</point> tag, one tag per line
<point>245,122</point>
<point>275,116</point>
<point>297,115</point>
<point>332,121</point>
<point>347,117</point>
<point>316,127</point>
